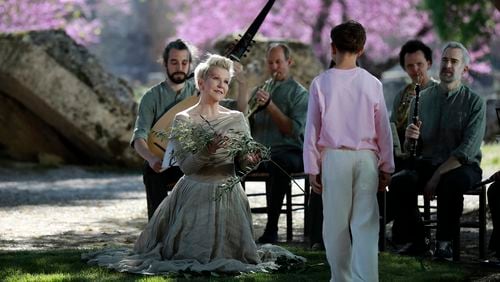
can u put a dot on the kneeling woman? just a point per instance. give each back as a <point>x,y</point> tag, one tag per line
<point>205,224</point>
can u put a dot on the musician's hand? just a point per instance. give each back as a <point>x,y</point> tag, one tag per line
<point>384,180</point>
<point>413,131</point>
<point>220,141</point>
<point>262,97</point>
<point>315,182</point>
<point>155,163</point>
<point>239,72</point>
<point>430,187</point>
<point>496,176</point>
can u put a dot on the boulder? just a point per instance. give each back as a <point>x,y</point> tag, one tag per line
<point>57,100</point>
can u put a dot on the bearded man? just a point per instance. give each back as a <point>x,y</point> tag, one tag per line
<point>177,59</point>
<point>449,131</point>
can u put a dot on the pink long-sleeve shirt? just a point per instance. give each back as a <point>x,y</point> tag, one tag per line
<point>346,110</point>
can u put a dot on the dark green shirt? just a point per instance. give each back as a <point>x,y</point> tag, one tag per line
<point>453,124</point>
<point>156,102</point>
<point>291,98</point>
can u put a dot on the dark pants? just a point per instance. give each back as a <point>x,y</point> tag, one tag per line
<point>494,204</point>
<point>279,182</point>
<point>406,185</point>
<point>158,185</point>
<point>315,218</point>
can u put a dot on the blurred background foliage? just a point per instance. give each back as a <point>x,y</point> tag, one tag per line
<point>147,24</point>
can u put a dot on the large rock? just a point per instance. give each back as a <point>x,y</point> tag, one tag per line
<point>58,100</point>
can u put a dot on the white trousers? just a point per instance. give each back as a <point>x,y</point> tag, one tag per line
<point>350,212</point>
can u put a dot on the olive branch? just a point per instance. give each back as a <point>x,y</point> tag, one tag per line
<point>194,137</point>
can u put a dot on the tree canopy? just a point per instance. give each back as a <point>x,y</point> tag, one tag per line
<point>76,17</point>
<point>389,23</point>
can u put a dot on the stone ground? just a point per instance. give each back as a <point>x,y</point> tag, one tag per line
<point>88,207</point>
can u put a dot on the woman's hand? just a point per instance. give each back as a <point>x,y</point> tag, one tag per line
<point>220,141</point>
<point>253,158</point>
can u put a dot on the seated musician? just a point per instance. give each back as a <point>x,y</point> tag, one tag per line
<point>493,203</point>
<point>278,121</point>
<point>155,103</point>
<point>450,130</point>
<point>416,60</point>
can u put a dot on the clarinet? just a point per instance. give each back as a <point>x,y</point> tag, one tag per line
<point>414,142</point>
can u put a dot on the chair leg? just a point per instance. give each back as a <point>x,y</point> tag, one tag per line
<point>456,245</point>
<point>427,216</point>
<point>482,223</point>
<point>307,189</point>
<point>383,222</point>
<point>289,222</point>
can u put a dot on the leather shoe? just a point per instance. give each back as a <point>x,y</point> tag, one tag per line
<point>444,251</point>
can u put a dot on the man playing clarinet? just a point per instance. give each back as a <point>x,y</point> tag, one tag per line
<point>450,129</point>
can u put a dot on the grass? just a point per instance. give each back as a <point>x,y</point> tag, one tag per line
<point>491,157</point>
<point>65,265</point>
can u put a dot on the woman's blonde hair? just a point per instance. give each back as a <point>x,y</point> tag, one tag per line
<point>212,60</point>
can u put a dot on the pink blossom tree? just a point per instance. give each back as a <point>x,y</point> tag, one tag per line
<point>389,23</point>
<point>76,17</point>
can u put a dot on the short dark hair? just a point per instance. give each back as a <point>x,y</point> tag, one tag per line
<point>349,36</point>
<point>178,44</point>
<point>413,46</point>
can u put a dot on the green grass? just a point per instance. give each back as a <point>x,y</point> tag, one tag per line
<point>491,157</point>
<point>65,265</point>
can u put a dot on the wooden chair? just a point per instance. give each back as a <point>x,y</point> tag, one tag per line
<point>479,223</point>
<point>290,206</point>
<point>382,198</point>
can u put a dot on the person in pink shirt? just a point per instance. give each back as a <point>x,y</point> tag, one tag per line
<point>348,156</point>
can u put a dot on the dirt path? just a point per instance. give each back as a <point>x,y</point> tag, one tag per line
<point>80,207</point>
<point>91,207</point>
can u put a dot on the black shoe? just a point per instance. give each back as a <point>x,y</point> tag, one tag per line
<point>492,262</point>
<point>444,251</point>
<point>268,238</point>
<point>416,249</point>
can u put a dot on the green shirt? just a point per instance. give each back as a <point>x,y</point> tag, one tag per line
<point>156,102</point>
<point>291,98</point>
<point>453,124</point>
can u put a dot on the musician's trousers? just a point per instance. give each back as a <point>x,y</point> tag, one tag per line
<point>351,216</point>
<point>494,204</point>
<point>291,161</point>
<point>158,185</point>
<point>315,219</point>
<point>406,185</point>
